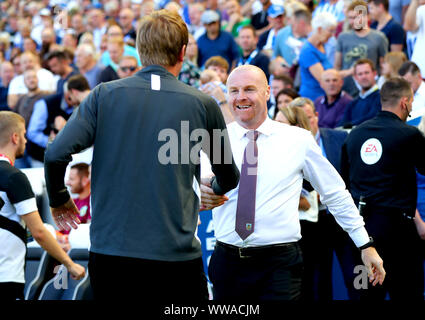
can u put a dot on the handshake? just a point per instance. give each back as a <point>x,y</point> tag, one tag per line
<point>209,200</point>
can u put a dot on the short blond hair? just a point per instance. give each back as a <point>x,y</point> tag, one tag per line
<point>161,37</point>
<point>9,124</point>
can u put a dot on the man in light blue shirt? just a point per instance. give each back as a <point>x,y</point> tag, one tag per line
<point>290,39</point>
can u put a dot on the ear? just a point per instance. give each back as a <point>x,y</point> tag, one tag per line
<point>182,53</point>
<point>85,181</point>
<point>15,138</point>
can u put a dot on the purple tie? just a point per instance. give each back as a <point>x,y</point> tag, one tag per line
<point>245,212</point>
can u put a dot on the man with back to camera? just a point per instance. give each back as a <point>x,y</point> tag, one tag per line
<point>144,209</point>
<point>257,255</point>
<point>18,208</point>
<point>378,164</point>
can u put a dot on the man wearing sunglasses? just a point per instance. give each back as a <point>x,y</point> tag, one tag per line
<point>127,67</point>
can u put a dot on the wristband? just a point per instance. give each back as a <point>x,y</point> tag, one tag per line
<point>371,243</point>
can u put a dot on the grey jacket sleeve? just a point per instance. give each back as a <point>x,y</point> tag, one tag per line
<point>77,135</point>
<point>220,153</point>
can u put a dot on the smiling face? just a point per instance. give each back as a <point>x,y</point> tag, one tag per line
<point>248,93</point>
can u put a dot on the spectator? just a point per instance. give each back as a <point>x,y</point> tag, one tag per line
<point>79,184</point>
<point>278,83</point>
<point>283,99</point>
<point>70,40</point>
<point>384,22</point>
<point>332,104</point>
<point>291,38</point>
<point>126,19</point>
<point>236,20</point>
<point>295,116</point>
<point>17,86</point>
<point>30,45</point>
<point>48,39</point>
<point>313,60</point>
<point>368,104</point>
<point>415,22</point>
<point>260,19</point>
<point>276,21</point>
<point>359,43</point>
<point>398,9</point>
<point>6,76</point>
<point>78,88</point>
<point>87,65</point>
<point>116,32</point>
<point>77,24</point>
<point>248,41</point>
<point>390,66</point>
<point>190,73</point>
<point>60,64</point>
<point>334,7</point>
<point>97,25</point>
<point>5,47</point>
<point>46,23</point>
<point>411,73</point>
<point>116,52</point>
<point>216,42</point>
<point>127,67</point>
<point>196,28</point>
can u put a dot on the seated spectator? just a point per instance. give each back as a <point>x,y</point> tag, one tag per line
<point>115,31</point>
<point>368,104</point>
<point>278,83</point>
<point>219,65</point>
<point>313,60</point>
<point>248,40</point>
<point>291,38</point>
<point>236,19</point>
<point>293,116</point>
<point>332,104</point>
<point>190,73</point>
<point>126,19</point>
<point>59,63</point>
<point>276,21</point>
<point>87,64</point>
<point>30,45</point>
<point>6,76</point>
<point>284,98</point>
<point>116,52</point>
<point>127,67</point>
<point>46,80</point>
<point>260,19</point>
<point>390,66</point>
<point>216,42</point>
<point>196,28</point>
<point>411,73</point>
<point>384,22</point>
<point>70,40</point>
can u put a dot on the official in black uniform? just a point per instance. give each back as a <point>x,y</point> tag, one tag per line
<point>379,159</point>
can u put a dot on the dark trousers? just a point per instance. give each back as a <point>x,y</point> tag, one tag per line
<point>399,246</point>
<point>10,291</point>
<point>318,243</point>
<point>123,278</point>
<point>274,276</point>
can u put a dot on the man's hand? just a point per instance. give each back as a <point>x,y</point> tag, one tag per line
<point>77,271</point>
<point>209,199</point>
<point>66,215</point>
<point>374,265</point>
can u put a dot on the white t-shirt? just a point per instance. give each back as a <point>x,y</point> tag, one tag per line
<point>46,82</point>
<point>419,48</point>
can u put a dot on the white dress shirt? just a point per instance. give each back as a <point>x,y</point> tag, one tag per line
<point>418,106</point>
<point>286,155</point>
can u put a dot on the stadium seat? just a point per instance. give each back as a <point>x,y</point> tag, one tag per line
<point>63,287</point>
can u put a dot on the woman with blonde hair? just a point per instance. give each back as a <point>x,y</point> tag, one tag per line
<point>390,66</point>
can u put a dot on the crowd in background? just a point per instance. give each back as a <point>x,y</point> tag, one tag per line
<point>334,54</point>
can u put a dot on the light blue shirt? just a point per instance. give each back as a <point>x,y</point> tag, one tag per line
<point>37,124</point>
<point>287,46</point>
<point>105,59</point>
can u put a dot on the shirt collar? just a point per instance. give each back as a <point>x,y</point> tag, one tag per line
<point>368,92</point>
<point>266,128</point>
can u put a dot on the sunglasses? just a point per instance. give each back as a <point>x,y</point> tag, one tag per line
<point>126,69</point>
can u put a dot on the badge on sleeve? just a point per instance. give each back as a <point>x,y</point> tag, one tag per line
<point>371,151</point>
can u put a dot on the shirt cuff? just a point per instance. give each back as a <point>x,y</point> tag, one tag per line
<point>59,198</point>
<point>359,236</point>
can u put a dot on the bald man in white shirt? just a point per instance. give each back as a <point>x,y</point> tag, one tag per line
<point>267,264</point>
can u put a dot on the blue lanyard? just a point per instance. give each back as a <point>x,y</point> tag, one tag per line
<point>248,61</point>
